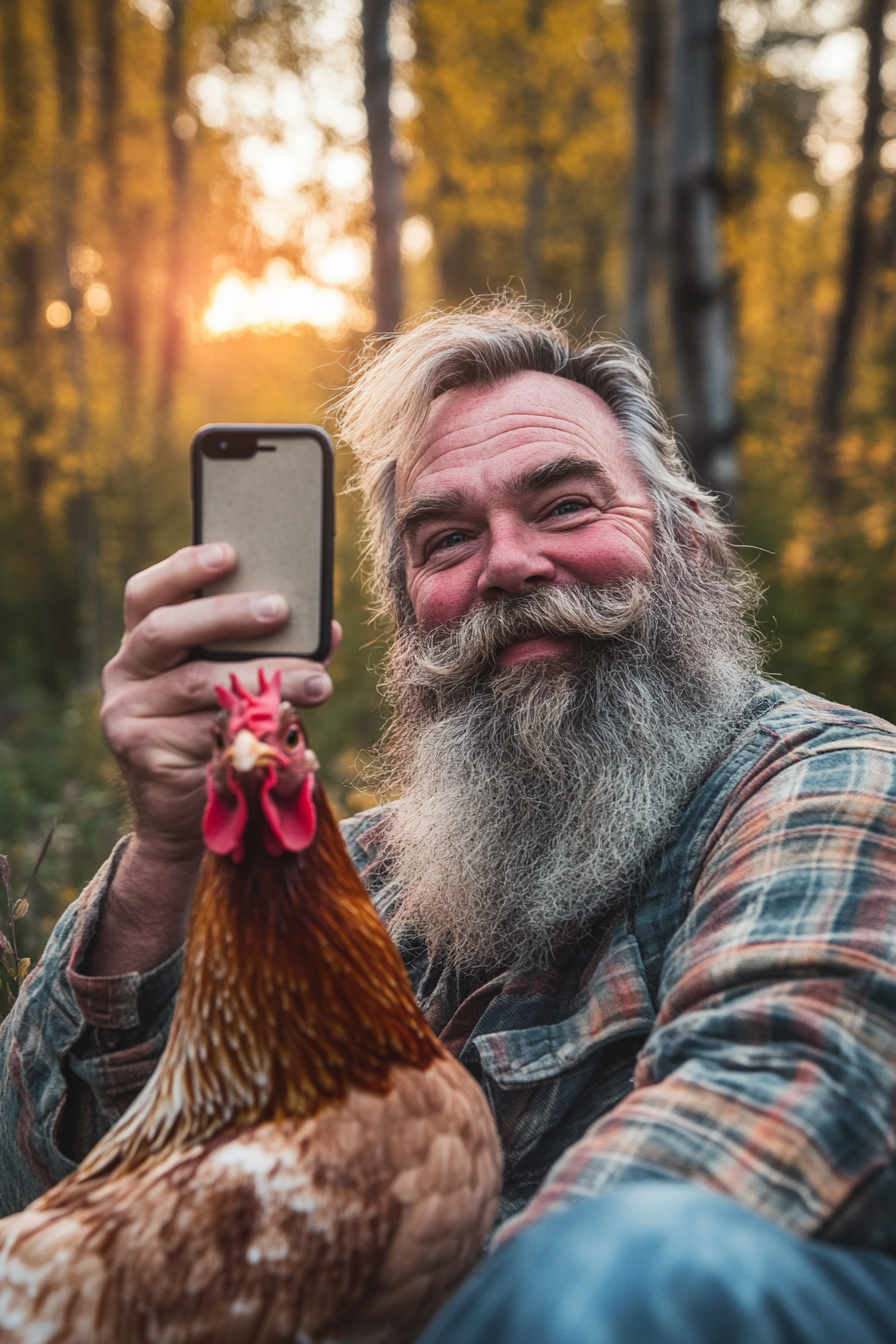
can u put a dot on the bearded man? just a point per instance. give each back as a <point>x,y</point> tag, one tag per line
<point>646,896</point>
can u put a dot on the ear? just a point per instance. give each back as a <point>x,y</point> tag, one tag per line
<point>694,541</point>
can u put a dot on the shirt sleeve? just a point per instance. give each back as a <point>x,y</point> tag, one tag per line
<point>769,1075</point>
<point>75,1051</point>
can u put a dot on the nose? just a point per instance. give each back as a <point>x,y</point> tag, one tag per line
<point>514,561</point>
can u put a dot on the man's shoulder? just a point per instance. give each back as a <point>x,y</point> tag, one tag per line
<point>798,721</point>
<point>796,753</point>
<point>785,728</point>
<point>790,744</point>
<point>789,712</point>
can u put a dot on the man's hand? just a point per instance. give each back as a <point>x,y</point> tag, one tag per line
<point>157,717</point>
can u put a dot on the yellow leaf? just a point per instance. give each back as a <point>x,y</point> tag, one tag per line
<point>24,966</point>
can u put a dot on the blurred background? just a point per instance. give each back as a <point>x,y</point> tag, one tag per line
<point>207,205</point>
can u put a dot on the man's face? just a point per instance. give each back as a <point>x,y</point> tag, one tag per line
<point>518,486</point>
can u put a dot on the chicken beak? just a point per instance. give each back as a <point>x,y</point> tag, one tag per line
<point>247,753</point>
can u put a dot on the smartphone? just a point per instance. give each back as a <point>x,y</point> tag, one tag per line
<point>268,490</point>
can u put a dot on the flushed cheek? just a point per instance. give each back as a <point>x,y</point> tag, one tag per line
<point>443,596</point>
<point>602,556</point>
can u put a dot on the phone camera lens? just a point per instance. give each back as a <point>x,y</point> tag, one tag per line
<point>223,445</point>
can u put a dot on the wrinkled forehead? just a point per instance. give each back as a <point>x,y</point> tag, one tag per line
<point>480,424</point>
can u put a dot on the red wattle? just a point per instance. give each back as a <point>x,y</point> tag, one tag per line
<point>223,822</point>
<point>291,822</point>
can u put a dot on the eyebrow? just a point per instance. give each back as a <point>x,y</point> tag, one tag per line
<point>561,469</point>
<point>430,508</point>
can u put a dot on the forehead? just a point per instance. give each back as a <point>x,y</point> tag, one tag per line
<point>482,435</point>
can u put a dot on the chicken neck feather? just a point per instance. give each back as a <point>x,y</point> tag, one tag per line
<point>293,993</point>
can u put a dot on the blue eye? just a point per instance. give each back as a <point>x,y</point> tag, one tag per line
<point>568,506</point>
<point>452,539</point>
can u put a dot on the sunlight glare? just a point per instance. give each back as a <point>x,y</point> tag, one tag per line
<point>278,301</point>
<point>416,238</point>
<point>346,263</point>
<point>98,299</point>
<point>839,57</point>
<point>58,314</point>
<point>804,205</point>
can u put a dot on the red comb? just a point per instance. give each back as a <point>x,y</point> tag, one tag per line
<point>259,713</point>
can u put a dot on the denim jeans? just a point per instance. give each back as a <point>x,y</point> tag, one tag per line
<point>667,1262</point>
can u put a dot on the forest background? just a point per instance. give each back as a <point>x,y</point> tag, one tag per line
<point>205,207</point>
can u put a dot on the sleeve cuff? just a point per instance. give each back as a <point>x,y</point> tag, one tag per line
<point>117,1002</point>
<point>122,1002</point>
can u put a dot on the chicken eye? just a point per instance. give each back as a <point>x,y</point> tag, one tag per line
<point>218,738</point>
<point>292,735</point>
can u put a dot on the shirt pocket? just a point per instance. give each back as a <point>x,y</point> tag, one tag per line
<point>617,1004</point>
<point>547,1083</point>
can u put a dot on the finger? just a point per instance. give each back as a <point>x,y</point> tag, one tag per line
<point>335,640</point>
<point>166,635</point>
<point>164,749</point>
<point>175,579</point>
<point>190,688</point>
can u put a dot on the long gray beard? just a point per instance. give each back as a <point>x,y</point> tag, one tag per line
<point>531,798</point>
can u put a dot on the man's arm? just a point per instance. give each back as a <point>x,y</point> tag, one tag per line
<point>771,1073</point>
<point>93,1017</point>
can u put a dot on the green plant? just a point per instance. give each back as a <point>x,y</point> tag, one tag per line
<point>15,967</point>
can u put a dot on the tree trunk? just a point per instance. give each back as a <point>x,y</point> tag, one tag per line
<point>126,313</point>
<point>649,110</point>
<point>385,173</point>
<point>178,163</point>
<point>700,309</point>
<point>83,519</point>
<point>857,264</point>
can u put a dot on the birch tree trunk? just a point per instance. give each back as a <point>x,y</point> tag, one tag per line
<point>699,300</point>
<point>858,263</point>
<point>388,298</point>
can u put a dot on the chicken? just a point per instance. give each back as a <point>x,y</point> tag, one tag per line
<point>307,1162</point>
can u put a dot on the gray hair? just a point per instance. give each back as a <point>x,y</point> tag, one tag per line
<point>486,341</point>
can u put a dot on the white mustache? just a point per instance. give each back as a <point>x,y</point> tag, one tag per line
<point>452,655</point>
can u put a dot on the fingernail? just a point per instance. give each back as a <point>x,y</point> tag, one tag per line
<point>269,607</point>
<point>214,556</point>
<point>316,687</point>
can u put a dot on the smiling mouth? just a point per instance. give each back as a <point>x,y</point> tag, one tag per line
<point>542,646</point>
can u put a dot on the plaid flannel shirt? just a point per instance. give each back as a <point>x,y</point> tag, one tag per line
<point>734,1025</point>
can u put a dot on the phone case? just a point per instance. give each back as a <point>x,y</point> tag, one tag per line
<point>268,490</point>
